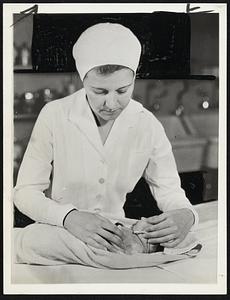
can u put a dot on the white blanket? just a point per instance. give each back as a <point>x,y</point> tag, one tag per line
<point>43,244</point>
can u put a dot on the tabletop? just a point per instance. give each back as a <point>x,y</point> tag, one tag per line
<point>201,269</point>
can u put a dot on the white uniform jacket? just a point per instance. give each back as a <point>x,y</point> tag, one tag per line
<point>66,152</point>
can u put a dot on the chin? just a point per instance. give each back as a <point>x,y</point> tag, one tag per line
<point>109,117</point>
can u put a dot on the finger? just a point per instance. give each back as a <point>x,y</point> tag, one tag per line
<point>176,241</point>
<point>171,244</point>
<point>110,227</point>
<point>160,240</point>
<point>162,225</point>
<point>119,249</point>
<point>156,219</point>
<point>111,238</point>
<point>100,240</point>
<point>161,233</point>
<point>91,242</point>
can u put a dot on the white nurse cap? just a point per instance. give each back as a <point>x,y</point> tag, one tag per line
<point>106,44</point>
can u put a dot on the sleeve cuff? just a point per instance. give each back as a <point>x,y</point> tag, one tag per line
<point>63,222</point>
<point>62,212</point>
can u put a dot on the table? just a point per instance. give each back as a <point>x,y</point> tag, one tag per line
<point>201,269</point>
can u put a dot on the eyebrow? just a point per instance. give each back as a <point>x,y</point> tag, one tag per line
<point>120,88</point>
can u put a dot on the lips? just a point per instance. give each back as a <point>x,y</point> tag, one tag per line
<point>110,111</point>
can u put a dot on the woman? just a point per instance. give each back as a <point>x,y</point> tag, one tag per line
<point>96,144</point>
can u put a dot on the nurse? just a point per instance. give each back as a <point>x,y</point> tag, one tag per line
<point>91,148</point>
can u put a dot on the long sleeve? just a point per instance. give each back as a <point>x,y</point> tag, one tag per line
<point>162,176</point>
<point>34,175</point>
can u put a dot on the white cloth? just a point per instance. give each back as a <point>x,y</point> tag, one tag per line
<point>106,43</point>
<point>200,269</point>
<point>88,175</point>
<point>44,244</point>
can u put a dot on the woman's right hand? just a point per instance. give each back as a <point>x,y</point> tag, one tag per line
<point>94,230</point>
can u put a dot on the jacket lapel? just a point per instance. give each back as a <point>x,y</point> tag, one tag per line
<point>80,114</point>
<point>124,124</point>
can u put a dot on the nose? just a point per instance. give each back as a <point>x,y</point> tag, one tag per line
<point>111,101</point>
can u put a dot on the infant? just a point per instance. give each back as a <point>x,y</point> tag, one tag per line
<point>133,240</point>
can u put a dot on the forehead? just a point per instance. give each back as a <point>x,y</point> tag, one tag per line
<point>114,80</point>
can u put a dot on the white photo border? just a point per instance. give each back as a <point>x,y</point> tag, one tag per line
<point>8,89</point>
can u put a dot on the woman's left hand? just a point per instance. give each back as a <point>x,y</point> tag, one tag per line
<point>169,228</point>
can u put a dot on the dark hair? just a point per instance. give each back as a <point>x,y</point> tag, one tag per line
<point>109,69</point>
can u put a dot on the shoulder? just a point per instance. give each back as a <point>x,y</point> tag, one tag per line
<point>145,116</point>
<point>63,103</point>
<point>60,107</point>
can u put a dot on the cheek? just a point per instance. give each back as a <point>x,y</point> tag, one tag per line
<point>124,99</point>
<point>95,101</point>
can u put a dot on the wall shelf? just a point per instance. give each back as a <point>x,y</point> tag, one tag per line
<point>21,67</point>
<point>179,77</point>
<point>157,77</point>
<point>25,117</point>
<point>31,71</point>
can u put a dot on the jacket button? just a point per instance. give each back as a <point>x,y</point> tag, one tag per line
<point>101,180</point>
<point>99,197</point>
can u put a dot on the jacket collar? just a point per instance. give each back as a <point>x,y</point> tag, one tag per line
<point>81,115</point>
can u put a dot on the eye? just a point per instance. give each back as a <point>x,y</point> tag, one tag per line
<point>121,91</point>
<point>100,92</point>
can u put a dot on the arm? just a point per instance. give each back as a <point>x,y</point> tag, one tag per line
<point>34,175</point>
<point>162,176</point>
<point>164,181</point>
<point>34,179</point>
